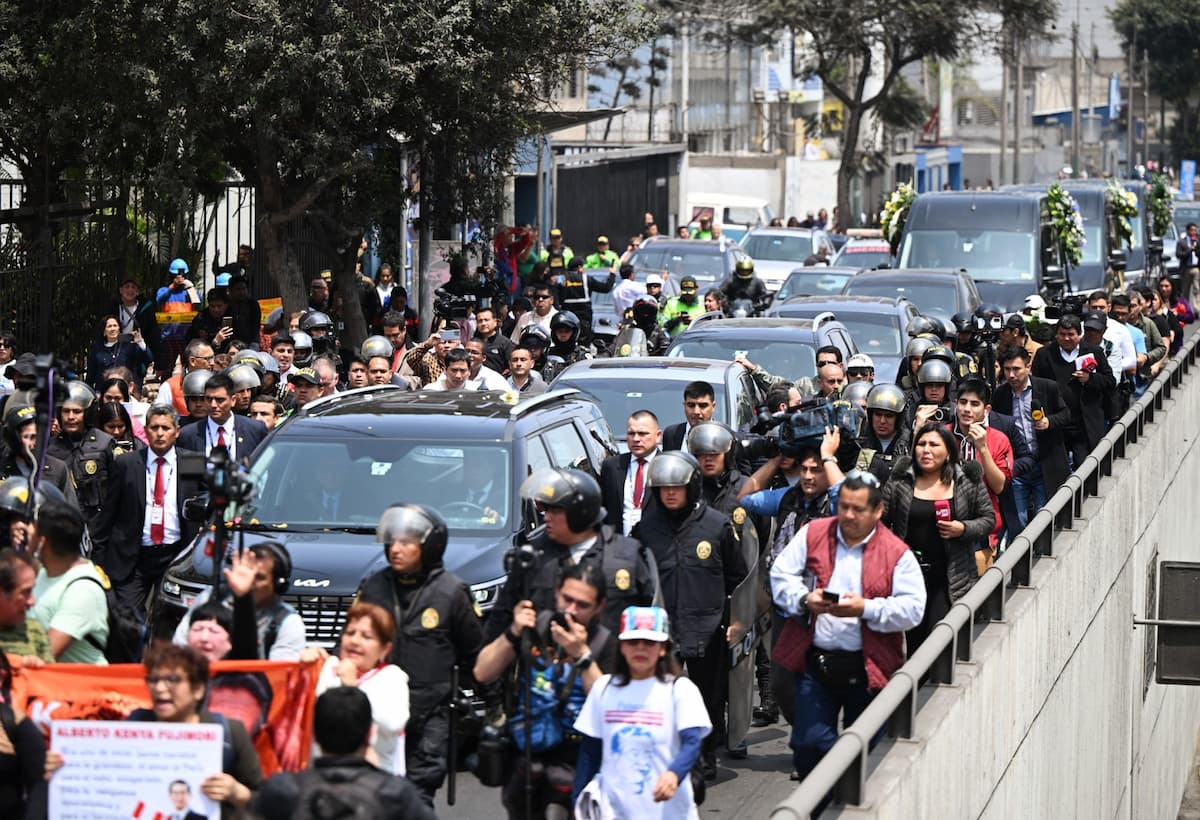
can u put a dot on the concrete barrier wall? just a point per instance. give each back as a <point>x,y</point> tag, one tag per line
<point>1049,720</point>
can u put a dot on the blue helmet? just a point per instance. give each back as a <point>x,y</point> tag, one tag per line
<point>179,267</point>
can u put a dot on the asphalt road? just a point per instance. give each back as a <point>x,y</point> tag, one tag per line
<point>747,788</point>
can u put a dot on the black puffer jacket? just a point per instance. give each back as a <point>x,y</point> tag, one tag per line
<point>970,505</point>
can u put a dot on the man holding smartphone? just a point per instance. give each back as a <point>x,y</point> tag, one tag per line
<point>850,589</point>
<point>213,324</point>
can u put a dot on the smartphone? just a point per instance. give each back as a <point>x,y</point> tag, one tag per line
<point>449,335</point>
<point>830,597</point>
<point>226,321</point>
<point>941,509</point>
<point>560,618</point>
<point>127,338</point>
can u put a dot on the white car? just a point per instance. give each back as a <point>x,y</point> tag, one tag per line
<point>779,251</point>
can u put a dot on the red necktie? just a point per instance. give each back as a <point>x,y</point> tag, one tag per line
<point>639,487</point>
<point>221,437</point>
<point>158,531</point>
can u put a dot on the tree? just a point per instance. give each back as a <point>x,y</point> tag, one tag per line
<point>859,48</point>
<point>1167,31</point>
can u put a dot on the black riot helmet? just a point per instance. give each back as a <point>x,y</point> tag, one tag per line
<point>302,343</point>
<point>675,468</point>
<point>14,497</point>
<point>922,325</point>
<point>886,397</point>
<point>938,353</point>
<point>316,324</point>
<point>418,523</point>
<point>573,491</point>
<point>567,319</point>
<point>962,321</point>
<point>709,438</point>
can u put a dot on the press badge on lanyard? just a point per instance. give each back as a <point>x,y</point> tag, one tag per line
<point>156,514</point>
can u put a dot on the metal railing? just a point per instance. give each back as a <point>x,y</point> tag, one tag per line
<point>843,770</point>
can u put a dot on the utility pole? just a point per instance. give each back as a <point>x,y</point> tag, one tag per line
<point>684,82</point>
<point>1018,113</point>
<point>1075,129</point>
<point>1129,112</point>
<point>1004,52</point>
<point>1145,106</point>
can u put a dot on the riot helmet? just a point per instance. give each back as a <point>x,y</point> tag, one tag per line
<point>962,321</point>
<point>917,347</point>
<point>193,383</point>
<point>14,497</point>
<point>302,343</point>
<point>244,377</point>
<point>938,353</point>
<point>709,438</point>
<point>856,392</point>
<point>374,346</point>
<point>675,468</point>
<point>886,397</point>
<point>417,523</point>
<point>923,324</point>
<point>935,371</point>
<point>79,394</point>
<point>572,491</point>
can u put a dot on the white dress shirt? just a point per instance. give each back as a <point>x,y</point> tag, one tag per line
<point>625,294</point>
<point>488,379</point>
<point>210,436</point>
<point>902,610</point>
<point>631,508</point>
<point>170,511</point>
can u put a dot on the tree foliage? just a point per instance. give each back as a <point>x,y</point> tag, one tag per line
<point>860,47</point>
<point>318,104</point>
<point>1168,31</point>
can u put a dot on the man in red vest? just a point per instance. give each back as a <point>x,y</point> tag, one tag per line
<point>850,589</point>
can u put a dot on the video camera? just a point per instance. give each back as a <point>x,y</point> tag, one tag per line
<point>449,306</point>
<point>987,327</point>
<point>1065,305</point>
<point>802,426</point>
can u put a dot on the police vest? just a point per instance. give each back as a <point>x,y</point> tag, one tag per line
<point>691,572</point>
<point>628,571</point>
<point>88,460</point>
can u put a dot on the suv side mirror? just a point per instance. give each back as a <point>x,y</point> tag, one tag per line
<point>1053,278</point>
<point>1116,259</point>
<point>195,509</point>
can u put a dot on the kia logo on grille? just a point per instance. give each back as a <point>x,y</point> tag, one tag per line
<point>311,582</point>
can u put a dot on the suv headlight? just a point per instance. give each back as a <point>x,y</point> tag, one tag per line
<point>485,594</point>
<point>180,593</point>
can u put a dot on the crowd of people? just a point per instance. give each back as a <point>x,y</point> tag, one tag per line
<point>862,536</point>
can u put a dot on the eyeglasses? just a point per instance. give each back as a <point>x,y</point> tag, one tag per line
<point>869,479</point>
<point>169,680</point>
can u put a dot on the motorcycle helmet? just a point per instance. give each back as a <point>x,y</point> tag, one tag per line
<point>565,319</point>
<point>302,343</point>
<point>744,268</point>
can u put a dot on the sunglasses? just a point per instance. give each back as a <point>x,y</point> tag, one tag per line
<point>861,475</point>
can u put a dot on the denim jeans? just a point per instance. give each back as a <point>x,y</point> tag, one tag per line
<point>815,722</point>
<point>1029,491</point>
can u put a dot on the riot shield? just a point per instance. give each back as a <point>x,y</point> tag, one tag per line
<point>745,634</point>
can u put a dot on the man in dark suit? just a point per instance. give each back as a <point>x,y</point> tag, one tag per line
<point>1037,407</point>
<point>1023,465</point>
<point>623,477</point>
<point>181,798</point>
<point>699,404</point>
<point>239,434</point>
<point>140,528</point>
<point>1084,387</point>
<point>1187,251</point>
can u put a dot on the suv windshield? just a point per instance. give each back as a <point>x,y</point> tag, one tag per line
<point>875,333</point>
<point>775,247</point>
<point>1005,256</point>
<point>706,263</point>
<point>619,398</point>
<point>815,281</point>
<point>360,477</point>
<point>788,359</point>
<point>936,297</point>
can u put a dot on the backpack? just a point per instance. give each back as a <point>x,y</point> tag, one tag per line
<point>124,632</point>
<point>329,795</point>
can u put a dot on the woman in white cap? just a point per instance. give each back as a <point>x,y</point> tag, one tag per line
<point>642,728</point>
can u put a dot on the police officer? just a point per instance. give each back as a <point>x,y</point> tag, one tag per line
<point>556,255</point>
<point>906,376</point>
<point>604,257</point>
<point>645,318</point>
<point>319,326</point>
<point>745,285</point>
<point>570,502</point>
<point>192,387</point>
<point>16,457</point>
<point>87,452</point>
<point>885,437</point>
<point>566,331</point>
<point>711,443</point>
<point>575,288</point>
<point>679,311</point>
<point>700,563</point>
<point>437,627</point>
<point>246,382</point>
<point>934,393</point>
<point>17,515</point>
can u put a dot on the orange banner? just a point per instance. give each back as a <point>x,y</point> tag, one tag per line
<point>175,323</point>
<point>273,699</point>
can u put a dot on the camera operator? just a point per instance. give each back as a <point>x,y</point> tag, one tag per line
<point>437,627</point>
<point>566,649</point>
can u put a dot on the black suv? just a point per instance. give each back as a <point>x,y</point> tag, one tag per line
<point>324,476</point>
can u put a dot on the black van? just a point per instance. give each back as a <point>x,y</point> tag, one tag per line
<point>1003,239</point>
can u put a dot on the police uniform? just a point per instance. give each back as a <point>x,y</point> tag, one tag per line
<point>699,563</point>
<point>721,492</point>
<point>89,460</point>
<point>54,471</point>
<point>677,309</point>
<point>877,459</point>
<point>575,295</point>
<point>437,626</point>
